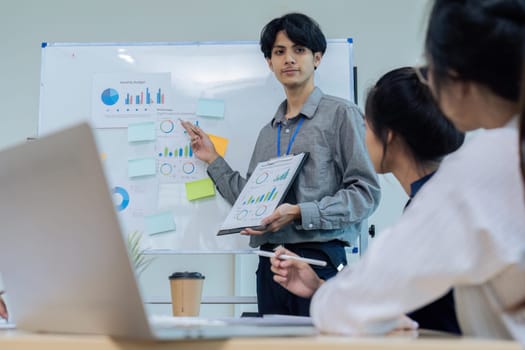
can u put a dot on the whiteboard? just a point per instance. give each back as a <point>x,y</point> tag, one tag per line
<point>234,74</point>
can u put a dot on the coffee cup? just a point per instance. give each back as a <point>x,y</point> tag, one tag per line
<point>186,293</point>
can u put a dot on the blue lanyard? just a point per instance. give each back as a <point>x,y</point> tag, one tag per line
<point>292,139</point>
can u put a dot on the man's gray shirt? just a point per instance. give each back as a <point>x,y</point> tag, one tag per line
<point>336,189</point>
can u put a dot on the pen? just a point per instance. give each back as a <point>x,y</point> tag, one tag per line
<point>192,127</point>
<point>293,257</point>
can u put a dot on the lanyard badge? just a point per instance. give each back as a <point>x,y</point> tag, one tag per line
<point>292,139</point>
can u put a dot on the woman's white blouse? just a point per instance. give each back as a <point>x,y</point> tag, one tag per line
<point>464,228</point>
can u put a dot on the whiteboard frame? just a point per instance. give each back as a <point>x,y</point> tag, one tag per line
<point>242,169</point>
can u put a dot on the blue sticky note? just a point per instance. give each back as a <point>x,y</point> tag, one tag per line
<point>141,132</point>
<point>158,223</point>
<point>141,167</point>
<point>210,108</point>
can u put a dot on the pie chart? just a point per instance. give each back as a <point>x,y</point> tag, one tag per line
<point>109,97</point>
<point>124,198</point>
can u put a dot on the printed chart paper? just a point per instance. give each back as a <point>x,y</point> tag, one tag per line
<point>263,192</point>
<point>123,98</point>
<point>175,158</point>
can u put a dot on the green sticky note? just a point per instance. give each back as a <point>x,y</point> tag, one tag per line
<point>141,132</point>
<point>158,223</point>
<point>200,189</point>
<point>141,167</point>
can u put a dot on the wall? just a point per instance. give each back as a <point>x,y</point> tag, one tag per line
<point>386,34</point>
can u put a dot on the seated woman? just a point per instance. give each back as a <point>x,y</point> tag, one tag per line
<point>465,229</point>
<point>407,135</point>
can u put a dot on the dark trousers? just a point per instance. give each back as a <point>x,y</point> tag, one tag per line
<point>274,299</point>
<point>439,315</point>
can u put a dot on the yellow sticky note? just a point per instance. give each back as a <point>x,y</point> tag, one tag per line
<point>200,189</point>
<point>220,143</point>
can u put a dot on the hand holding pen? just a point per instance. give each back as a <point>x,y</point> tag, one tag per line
<point>294,275</point>
<point>201,144</point>
<point>3,308</point>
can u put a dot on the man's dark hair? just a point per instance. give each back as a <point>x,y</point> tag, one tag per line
<point>301,29</point>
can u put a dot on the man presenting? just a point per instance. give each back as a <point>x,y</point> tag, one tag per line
<point>337,187</point>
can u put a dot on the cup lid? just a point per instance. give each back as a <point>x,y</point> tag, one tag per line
<point>186,274</point>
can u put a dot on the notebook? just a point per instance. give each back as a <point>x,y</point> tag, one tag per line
<point>63,257</point>
<point>265,190</point>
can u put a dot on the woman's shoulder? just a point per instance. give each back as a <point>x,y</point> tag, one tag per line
<point>486,149</point>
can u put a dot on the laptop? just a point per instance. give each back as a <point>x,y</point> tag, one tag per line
<point>63,258</point>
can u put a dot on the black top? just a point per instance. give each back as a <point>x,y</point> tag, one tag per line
<point>439,315</point>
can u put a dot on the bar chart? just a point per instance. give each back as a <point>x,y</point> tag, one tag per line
<point>144,97</point>
<point>264,197</point>
<point>185,151</point>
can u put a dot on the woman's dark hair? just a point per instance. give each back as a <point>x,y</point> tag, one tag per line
<point>400,103</point>
<point>301,29</point>
<point>479,41</point>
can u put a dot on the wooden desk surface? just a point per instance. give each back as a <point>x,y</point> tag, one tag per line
<point>14,339</point>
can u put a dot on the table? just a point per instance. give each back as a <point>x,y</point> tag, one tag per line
<point>16,339</point>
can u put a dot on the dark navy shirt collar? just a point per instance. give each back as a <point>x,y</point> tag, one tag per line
<point>416,185</point>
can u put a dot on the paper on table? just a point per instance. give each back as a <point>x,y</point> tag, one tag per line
<point>165,321</point>
<point>210,108</point>
<point>220,143</point>
<point>288,320</point>
<point>141,132</point>
<point>7,325</point>
<point>200,189</point>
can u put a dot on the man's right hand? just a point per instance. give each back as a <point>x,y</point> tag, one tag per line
<point>296,276</point>
<point>201,144</point>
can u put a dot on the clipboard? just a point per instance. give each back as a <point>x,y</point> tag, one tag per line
<point>265,190</point>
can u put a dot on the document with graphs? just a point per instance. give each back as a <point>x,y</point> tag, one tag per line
<point>265,190</point>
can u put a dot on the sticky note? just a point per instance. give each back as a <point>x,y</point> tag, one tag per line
<point>210,108</point>
<point>141,167</point>
<point>141,132</point>
<point>158,223</point>
<point>200,189</point>
<point>220,143</point>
